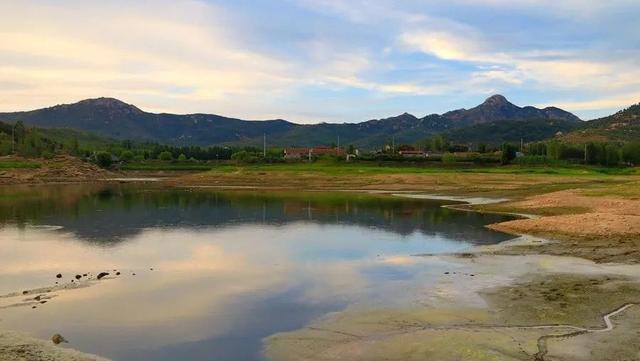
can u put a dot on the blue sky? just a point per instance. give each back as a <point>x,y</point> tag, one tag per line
<point>321,60</point>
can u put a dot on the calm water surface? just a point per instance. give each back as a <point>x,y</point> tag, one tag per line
<point>229,268</point>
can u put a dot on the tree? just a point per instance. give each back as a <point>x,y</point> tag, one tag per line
<point>631,153</point>
<point>182,157</point>
<point>18,132</point>
<point>244,156</point>
<point>508,153</point>
<point>103,159</point>
<point>612,155</point>
<point>127,156</point>
<point>165,156</point>
<point>554,150</point>
<point>75,147</point>
<point>591,153</point>
<point>439,143</point>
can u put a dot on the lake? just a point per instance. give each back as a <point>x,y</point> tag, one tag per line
<point>207,274</point>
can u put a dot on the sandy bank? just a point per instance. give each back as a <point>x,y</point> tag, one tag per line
<point>21,347</point>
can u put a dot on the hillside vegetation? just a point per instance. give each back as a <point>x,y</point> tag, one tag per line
<point>623,126</point>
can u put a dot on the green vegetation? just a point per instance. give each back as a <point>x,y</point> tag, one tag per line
<point>540,157</point>
<point>12,164</point>
<point>156,165</point>
<point>366,168</point>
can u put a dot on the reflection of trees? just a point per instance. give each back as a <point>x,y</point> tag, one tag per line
<point>114,212</point>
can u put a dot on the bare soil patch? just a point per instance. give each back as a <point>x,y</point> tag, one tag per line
<point>61,168</point>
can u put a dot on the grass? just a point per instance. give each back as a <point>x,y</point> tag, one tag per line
<point>332,168</point>
<point>18,164</point>
<point>167,166</point>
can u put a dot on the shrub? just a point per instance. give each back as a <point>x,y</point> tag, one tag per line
<point>244,156</point>
<point>103,159</point>
<point>448,158</point>
<point>165,156</point>
<point>127,156</point>
<point>508,153</point>
<point>47,155</point>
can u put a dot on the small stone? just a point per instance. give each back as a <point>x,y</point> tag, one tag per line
<point>150,269</point>
<point>37,298</point>
<point>78,277</point>
<point>43,301</point>
<point>446,273</point>
<point>25,292</point>
<point>102,274</point>
<point>58,339</point>
<point>59,275</point>
<point>33,306</point>
<point>117,273</point>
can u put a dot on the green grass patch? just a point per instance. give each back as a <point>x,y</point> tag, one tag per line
<point>176,166</point>
<point>338,169</point>
<point>17,164</point>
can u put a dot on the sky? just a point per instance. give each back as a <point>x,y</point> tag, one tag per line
<point>313,61</point>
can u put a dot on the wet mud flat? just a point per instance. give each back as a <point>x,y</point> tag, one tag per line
<point>546,308</point>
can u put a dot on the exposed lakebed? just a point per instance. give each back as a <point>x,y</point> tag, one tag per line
<point>215,272</point>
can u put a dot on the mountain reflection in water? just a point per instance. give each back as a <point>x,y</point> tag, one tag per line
<point>92,211</point>
<point>229,268</point>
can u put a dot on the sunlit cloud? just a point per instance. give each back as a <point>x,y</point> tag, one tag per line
<point>343,57</point>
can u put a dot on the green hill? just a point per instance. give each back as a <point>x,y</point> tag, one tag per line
<point>623,126</point>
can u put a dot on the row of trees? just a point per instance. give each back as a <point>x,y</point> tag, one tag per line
<point>594,153</point>
<point>31,142</point>
<point>27,142</point>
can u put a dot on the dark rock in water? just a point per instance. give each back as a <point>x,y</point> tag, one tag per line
<point>84,275</point>
<point>43,301</point>
<point>102,274</point>
<point>59,275</point>
<point>117,273</point>
<point>446,273</point>
<point>78,277</point>
<point>58,339</point>
<point>33,306</point>
<point>150,269</point>
<point>133,274</point>
<point>37,298</point>
<point>25,292</point>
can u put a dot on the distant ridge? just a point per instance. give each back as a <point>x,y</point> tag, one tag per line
<point>622,126</point>
<point>114,118</point>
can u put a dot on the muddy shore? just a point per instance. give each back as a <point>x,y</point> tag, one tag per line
<point>585,266</point>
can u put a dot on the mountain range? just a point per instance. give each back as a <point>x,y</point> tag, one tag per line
<point>494,121</point>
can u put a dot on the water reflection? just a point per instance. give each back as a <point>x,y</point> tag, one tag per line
<point>229,268</point>
<point>91,212</point>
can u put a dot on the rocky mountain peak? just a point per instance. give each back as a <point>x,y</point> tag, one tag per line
<point>496,100</point>
<point>111,104</point>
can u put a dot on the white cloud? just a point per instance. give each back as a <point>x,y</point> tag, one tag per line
<point>618,101</point>
<point>178,53</point>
